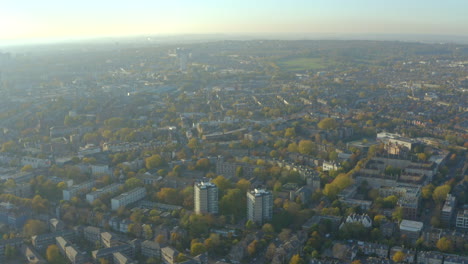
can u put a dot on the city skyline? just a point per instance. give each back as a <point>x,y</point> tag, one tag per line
<point>55,20</point>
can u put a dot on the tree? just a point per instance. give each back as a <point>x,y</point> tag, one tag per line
<point>26,168</point>
<point>327,124</point>
<point>222,183</point>
<point>399,256</point>
<point>306,147</point>
<point>133,183</point>
<point>53,254</point>
<point>290,132</point>
<point>153,162</point>
<point>427,191</point>
<point>34,227</point>
<point>9,146</point>
<point>203,164</point>
<point>243,185</point>
<point>296,259</point>
<point>193,144</point>
<point>440,193</point>
<point>444,244</point>
<point>252,247</point>
<point>197,249</point>
<point>270,252</point>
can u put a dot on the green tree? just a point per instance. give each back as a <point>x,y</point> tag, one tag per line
<point>133,183</point>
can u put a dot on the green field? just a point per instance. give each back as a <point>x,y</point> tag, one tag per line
<point>303,64</point>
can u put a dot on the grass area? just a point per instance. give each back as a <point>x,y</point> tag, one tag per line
<point>303,64</point>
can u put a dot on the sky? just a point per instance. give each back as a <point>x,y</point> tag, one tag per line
<point>25,20</point>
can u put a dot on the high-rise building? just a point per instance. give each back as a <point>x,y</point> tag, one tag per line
<point>259,205</point>
<point>206,198</point>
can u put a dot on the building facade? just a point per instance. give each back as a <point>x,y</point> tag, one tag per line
<point>259,206</point>
<point>128,198</point>
<point>206,198</point>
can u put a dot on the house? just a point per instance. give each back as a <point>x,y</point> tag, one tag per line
<point>151,249</point>
<point>92,234</point>
<point>367,248</point>
<point>169,255</point>
<point>56,225</point>
<point>429,257</point>
<point>409,254</point>
<point>364,219</point>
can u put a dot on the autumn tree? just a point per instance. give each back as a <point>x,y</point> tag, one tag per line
<point>327,124</point>
<point>296,259</point>
<point>440,193</point>
<point>243,185</point>
<point>34,227</point>
<point>399,256</point>
<point>153,162</point>
<point>222,183</point>
<point>306,147</point>
<point>445,245</point>
<point>197,248</point>
<point>53,255</point>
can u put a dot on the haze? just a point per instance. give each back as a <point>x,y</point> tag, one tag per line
<point>27,21</point>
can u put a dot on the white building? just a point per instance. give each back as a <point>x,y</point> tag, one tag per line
<point>364,219</point>
<point>462,219</point>
<point>100,169</point>
<point>77,189</point>
<point>206,198</point>
<point>412,229</point>
<point>90,197</point>
<point>259,205</point>
<point>128,198</point>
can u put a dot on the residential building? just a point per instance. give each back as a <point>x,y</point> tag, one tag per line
<point>127,198</point>
<point>259,205</point>
<point>412,229</point>
<point>41,242</point>
<point>119,258</point>
<point>90,197</point>
<point>410,255</point>
<point>151,249</point>
<point>364,219</point>
<point>92,234</point>
<point>56,225</point>
<point>206,198</point>
<point>448,209</point>
<point>108,240</point>
<point>32,255</point>
<point>22,190</point>
<point>462,219</point>
<point>78,189</point>
<point>169,255</point>
<point>107,253</point>
<point>428,257</point>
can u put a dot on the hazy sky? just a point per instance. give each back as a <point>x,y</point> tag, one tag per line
<point>55,19</point>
